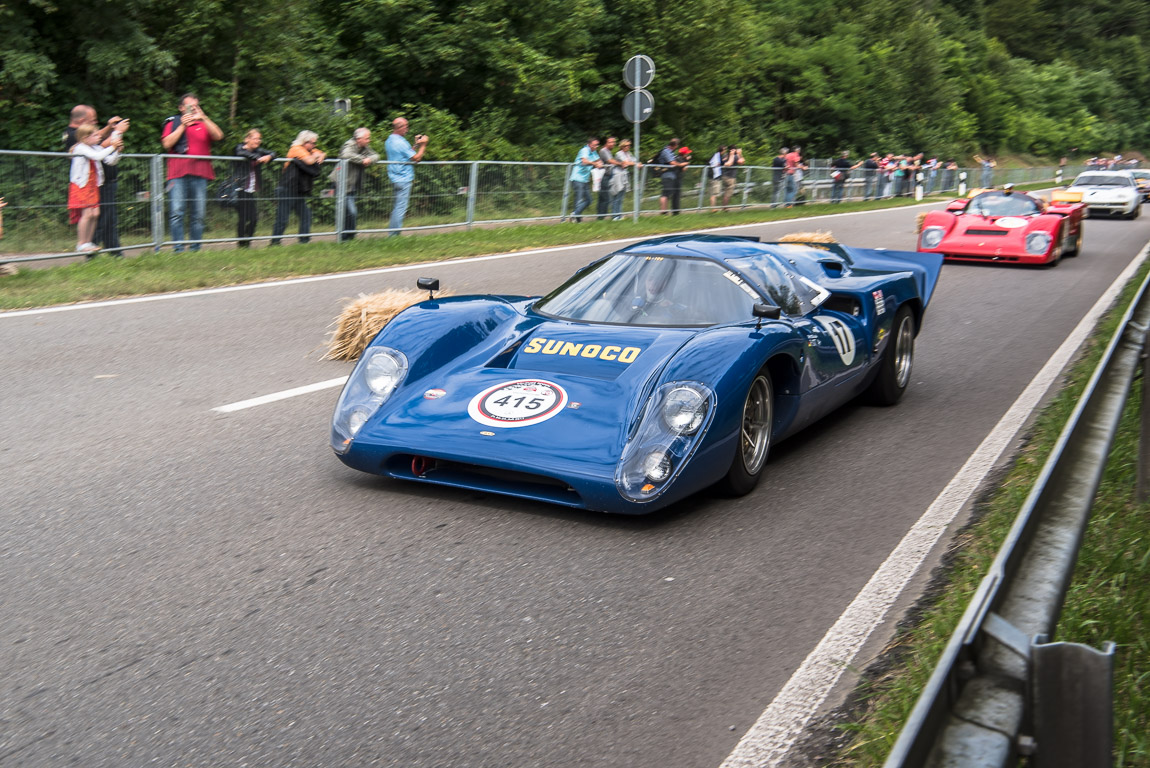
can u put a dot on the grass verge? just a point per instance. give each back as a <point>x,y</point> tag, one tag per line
<point>105,277</point>
<point>1109,598</point>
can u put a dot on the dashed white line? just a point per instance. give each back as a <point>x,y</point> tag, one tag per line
<point>284,395</point>
<point>769,740</point>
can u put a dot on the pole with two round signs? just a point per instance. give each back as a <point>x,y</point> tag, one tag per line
<point>638,105</point>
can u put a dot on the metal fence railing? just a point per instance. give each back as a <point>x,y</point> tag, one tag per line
<point>444,194</point>
<point>1001,689</point>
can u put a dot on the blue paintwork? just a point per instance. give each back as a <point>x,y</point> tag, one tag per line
<point>463,345</point>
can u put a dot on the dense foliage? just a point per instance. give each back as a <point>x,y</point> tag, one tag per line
<point>494,79</point>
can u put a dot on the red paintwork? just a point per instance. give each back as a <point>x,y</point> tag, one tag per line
<point>971,236</point>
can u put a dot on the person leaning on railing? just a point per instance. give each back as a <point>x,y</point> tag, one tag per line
<point>295,185</point>
<point>248,182</point>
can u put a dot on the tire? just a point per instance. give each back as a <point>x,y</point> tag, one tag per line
<point>1136,212</point>
<point>897,360</point>
<point>754,442</point>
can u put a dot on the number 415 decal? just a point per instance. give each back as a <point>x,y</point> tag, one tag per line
<point>841,336</point>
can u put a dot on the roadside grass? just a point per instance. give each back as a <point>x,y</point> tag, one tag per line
<point>1109,598</point>
<point>105,277</point>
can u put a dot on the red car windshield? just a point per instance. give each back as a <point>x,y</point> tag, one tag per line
<point>1004,204</point>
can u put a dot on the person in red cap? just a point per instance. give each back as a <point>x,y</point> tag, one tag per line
<point>676,158</point>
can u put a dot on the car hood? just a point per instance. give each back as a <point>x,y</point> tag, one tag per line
<point>1001,228</point>
<point>1091,192</point>
<point>590,380</point>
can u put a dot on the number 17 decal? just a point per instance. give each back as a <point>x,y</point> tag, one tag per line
<point>842,337</point>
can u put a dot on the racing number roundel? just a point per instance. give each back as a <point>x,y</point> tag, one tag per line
<point>842,337</point>
<point>517,403</point>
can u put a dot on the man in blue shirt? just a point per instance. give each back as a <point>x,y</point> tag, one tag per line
<point>401,160</point>
<point>587,159</point>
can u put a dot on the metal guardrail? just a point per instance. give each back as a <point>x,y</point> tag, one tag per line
<point>444,195</point>
<point>1000,689</point>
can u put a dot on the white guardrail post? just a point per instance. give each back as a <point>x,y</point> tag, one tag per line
<point>472,192</point>
<point>341,197</point>
<point>156,200</point>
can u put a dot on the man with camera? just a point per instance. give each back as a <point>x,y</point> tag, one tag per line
<point>189,133</point>
<point>401,160</point>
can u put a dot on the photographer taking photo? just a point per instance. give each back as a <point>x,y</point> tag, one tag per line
<point>401,160</point>
<point>189,133</point>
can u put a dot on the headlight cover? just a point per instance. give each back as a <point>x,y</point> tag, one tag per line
<point>1037,243</point>
<point>673,423</point>
<point>932,236</point>
<point>684,409</point>
<point>378,373</point>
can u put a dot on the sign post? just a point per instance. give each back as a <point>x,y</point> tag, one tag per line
<point>638,105</point>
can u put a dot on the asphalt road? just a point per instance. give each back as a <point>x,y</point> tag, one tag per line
<point>180,587</point>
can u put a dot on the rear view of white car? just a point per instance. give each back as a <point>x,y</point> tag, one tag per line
<point>1114,193</point>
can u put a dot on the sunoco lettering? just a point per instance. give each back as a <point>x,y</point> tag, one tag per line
<point>573,349</point>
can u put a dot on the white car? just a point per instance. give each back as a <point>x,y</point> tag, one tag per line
<point>1114,193</point>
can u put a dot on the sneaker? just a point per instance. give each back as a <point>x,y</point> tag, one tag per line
<point>87,247</point>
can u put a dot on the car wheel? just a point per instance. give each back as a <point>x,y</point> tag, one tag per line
<point>1136,212</point>
<point>754,438</point>
<point>897,360</point>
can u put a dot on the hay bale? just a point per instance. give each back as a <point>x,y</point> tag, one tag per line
<point>821,236</point>
<point>7,270</point>
<point>362,318</point>
<point>919,221</point>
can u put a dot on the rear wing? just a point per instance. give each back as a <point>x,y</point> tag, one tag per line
<point>924,267</point>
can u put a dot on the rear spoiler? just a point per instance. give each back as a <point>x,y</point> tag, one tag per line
<point>924,267</point>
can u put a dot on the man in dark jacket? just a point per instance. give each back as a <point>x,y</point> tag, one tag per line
<point>358,153</point>
<point>299,173</point>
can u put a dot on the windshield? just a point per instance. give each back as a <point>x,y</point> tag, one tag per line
<point>1003,204</point>
<point>1098,180</point>
<point>642,289</point>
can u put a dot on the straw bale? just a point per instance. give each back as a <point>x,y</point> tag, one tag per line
<point>363,317</point>
<point>918,221</point>
<point>820,236</point>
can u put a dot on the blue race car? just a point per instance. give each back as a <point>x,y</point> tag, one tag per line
<point>665,368</point>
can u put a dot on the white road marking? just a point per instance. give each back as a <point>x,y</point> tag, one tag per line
<point>275,396</point>
<point>403,268</point>
<point>769,740</point>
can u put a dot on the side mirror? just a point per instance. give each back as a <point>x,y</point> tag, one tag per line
<point>429,284</point>
<point>765,310</point>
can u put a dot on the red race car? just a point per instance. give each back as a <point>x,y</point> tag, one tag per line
<point>1006,226</point>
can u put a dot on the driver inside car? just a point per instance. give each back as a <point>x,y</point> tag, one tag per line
<point>653,303</point>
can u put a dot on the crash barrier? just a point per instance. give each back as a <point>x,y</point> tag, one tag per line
<point>1002,689</point>
<point>444,195</point>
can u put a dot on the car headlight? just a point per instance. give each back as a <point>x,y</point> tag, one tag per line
<point>657,466</point>
<point>684,409</point>
<point>932,236</point>
<point>1037,243</point>
<point>378,373</point>
<point>384,370</point>
<point>664,439</point>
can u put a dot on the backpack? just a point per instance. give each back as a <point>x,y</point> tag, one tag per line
<point>653,162</point>
<point>181,147</point>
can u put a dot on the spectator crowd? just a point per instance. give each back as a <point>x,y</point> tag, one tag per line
<point>187,138</point>
<point>602,167</point>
